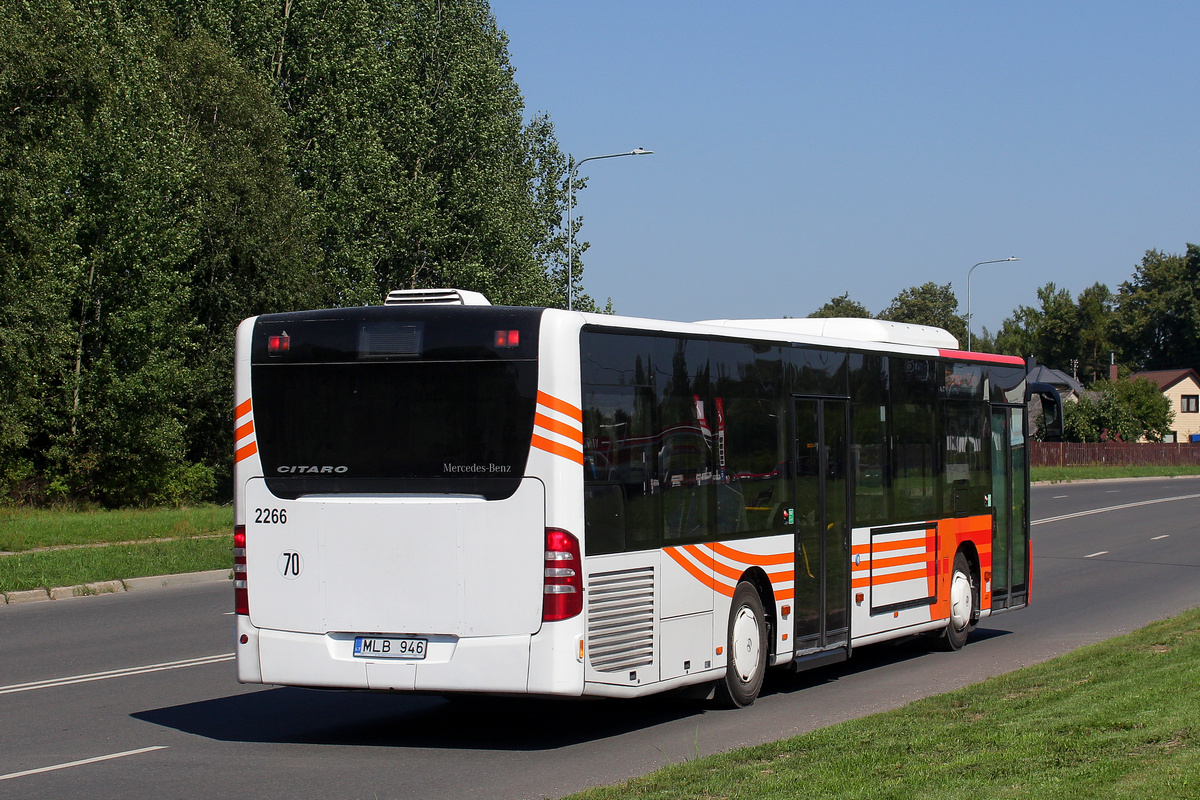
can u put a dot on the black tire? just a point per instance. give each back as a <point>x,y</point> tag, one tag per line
<point>748,646</point>
<point>964,605</point>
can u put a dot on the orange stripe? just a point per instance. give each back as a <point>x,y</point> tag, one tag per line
<point>884,547</point>
<point>557,449</point>
<point>750,558</point>
<point>561,428</point>
<point>692,569</point>
<point>561,406</point>
<point>899,561</point>
<point>898,577</point>
<point>899,544</point>
<point>242,410</point>
<point>707,561</point>
<point>245,452</point>
<point>727,571</point>
<point>881,580</point>
<point>243,431</point>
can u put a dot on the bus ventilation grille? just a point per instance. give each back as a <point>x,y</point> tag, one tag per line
<point>621,619</point>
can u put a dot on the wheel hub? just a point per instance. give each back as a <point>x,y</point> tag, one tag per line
<point>746,645</point>
<point>961,601</point>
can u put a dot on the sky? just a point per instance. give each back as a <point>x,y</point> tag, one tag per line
<point>803,150</point>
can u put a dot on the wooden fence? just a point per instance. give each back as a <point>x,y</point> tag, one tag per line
<point>1075,454</point>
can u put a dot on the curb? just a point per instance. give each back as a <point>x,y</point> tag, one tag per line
<point>1116,480</point>
<point>115,587</point>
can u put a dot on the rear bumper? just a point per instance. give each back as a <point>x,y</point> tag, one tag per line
<point>489,664</point>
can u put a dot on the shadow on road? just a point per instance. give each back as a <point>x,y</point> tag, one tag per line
<point>331,717</point>
<point>311,716</point>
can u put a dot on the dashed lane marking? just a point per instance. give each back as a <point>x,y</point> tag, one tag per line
<point>82,762</point>
<point>116,673</point>
<point>1114,508</point>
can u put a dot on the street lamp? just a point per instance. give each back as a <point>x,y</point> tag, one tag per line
<point>571,167</point>
<point>972,269</point>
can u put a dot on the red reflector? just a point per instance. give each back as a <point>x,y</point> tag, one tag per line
<point>278,344</point>
<point>507,339</point>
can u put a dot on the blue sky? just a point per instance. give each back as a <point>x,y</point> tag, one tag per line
<point>803,150</point>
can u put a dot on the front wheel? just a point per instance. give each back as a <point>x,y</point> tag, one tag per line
<point>748,646</point>
<point>964,601</point>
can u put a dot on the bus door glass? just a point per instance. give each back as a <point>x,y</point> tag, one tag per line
<point>1009,501</point>
<point>821,520</point>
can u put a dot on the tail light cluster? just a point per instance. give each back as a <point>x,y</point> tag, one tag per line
<point>562,587</point>
<point>241,597</point>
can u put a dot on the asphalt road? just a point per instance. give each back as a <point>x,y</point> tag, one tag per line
<point>134,695</point>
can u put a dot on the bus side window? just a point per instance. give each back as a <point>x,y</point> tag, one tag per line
<point>966,469</point>
<point>604,522</point>
<point>618,466</point>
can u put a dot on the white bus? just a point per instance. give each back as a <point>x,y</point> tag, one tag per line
<point>439,495</point>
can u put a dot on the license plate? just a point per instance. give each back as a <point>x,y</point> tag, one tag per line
<point>389,647</point>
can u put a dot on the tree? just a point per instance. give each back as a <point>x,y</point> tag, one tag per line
<point>99,234</point>
<point>1047,332</point>
<point>841,306</point>
<point>1158,311</point>
<point>1125,411</point>
<point>255,249</point>
<point>928,304</point>
<point>1096,309</point>
<point>408,138</point>
<point>1062,330</point>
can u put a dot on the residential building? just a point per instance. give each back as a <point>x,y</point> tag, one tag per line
<point>1182,388</point>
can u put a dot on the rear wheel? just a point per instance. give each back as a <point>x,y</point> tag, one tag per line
<point>748,646</point>
<point>964,605</point>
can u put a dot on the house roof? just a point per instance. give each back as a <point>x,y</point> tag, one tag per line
<point>1054,377</point>
<point>1166,378</point>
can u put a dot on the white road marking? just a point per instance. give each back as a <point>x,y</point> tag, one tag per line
<point>1059,497</point>
<point>82,762</point>
<point>1164,536</point>
<point>1101,553</point>
<point>116,673</point>
<point>1112,491</point>
<point>1115,508</point>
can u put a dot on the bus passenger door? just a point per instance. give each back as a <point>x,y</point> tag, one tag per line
<point>1010,536</point>
<point>821,525</point>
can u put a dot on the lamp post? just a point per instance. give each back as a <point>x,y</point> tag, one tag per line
<point>571,167</point>
<point>972,269</point>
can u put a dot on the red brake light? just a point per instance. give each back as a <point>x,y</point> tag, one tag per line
<point>278,345</point>
<point>241,597</point>
<point>562,587</point>
<point>507,339</point>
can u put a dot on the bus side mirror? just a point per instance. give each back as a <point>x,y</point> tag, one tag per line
<point>1052,419</point>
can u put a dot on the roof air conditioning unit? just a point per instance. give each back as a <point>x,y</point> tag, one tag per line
<point>435,297</point>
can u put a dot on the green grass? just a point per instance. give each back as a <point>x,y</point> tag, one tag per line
<point>1120,719</point>
<point>83,565</point>
<point>1062,474</point>
<point>28,529</point>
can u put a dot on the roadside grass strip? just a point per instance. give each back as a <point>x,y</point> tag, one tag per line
<point>1119,719</point>
<point>85,565</point>
<point>29,529</point>
<point>1093,473</point>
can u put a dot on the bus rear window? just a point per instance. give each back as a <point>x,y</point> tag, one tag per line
<point>394,403</point>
